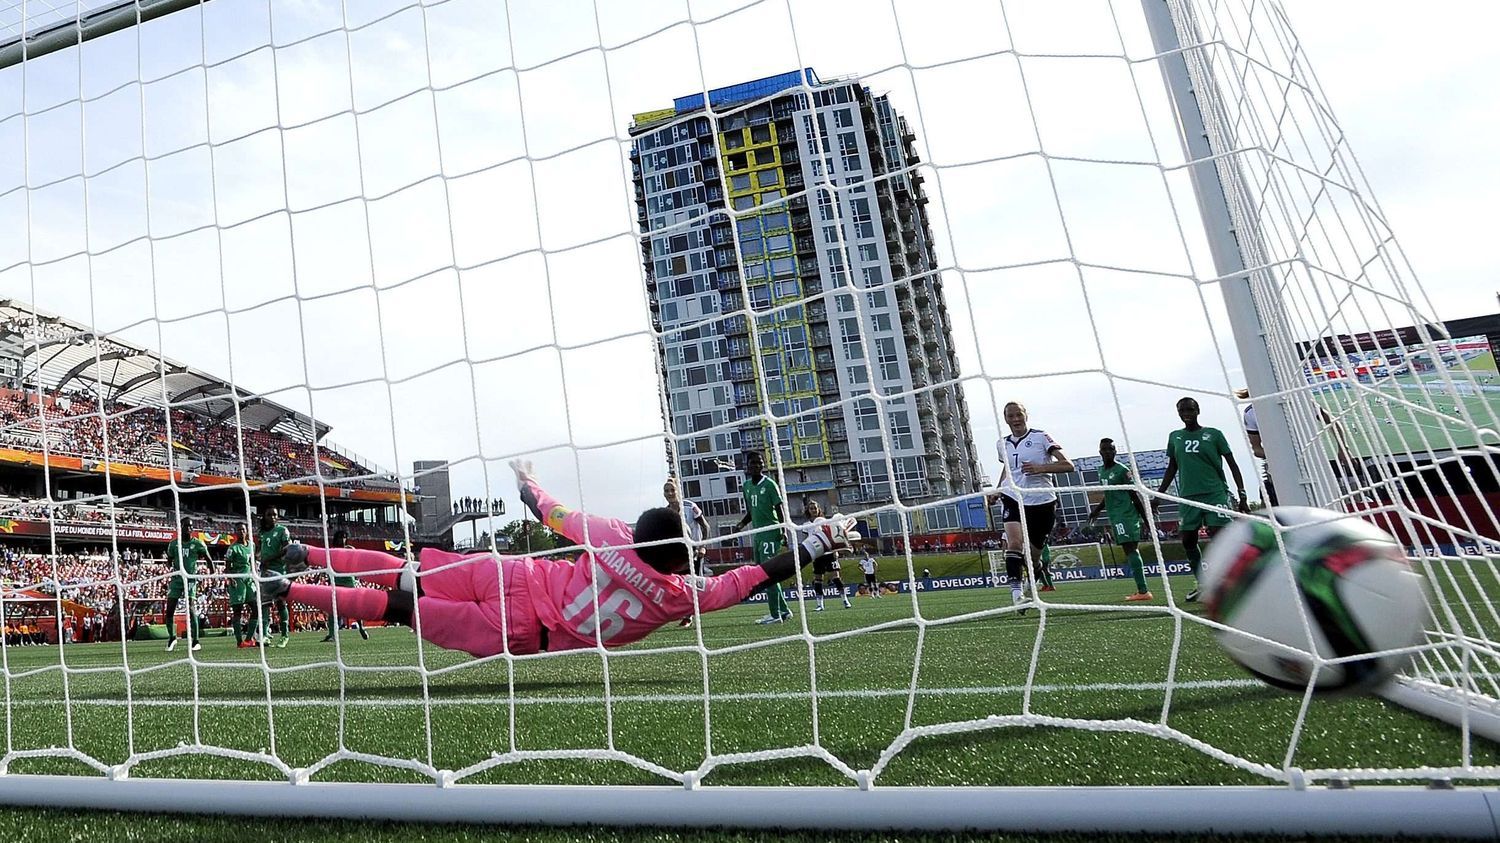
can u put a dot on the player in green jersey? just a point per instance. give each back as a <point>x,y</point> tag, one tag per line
<point>270,545</point>
<point>341,539</point>
<point>763,509</point>
<point>241,590</point>
<point>183,556</point>
<point>1127,518</point>
<point>1199,454</point>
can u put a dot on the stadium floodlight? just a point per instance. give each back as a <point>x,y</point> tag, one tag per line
<point>472,229</point>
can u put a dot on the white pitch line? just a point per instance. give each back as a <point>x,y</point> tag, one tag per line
<point>874,693</point>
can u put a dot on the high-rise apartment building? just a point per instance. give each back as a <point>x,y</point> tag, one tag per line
<point>790,265</point>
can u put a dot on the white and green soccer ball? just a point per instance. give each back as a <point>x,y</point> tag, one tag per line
<point>1348,578</point>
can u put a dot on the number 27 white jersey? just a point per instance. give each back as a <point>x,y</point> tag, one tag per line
<point>1032,448</point>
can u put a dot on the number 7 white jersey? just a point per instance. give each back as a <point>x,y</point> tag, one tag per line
<point>1032,448</point>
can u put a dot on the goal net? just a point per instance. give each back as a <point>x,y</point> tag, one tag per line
<point>633,244</point>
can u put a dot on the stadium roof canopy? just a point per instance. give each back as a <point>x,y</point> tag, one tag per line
<point>57,353</point>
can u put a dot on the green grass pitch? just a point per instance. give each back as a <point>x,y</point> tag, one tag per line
<point>1094,665</point>
<point>1402,430</point>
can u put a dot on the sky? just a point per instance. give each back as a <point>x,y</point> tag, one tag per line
<point>419,228</point>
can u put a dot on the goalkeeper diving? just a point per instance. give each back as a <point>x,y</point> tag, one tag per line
<point>486,604</point>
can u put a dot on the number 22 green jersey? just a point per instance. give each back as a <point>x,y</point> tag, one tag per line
<point>1200,461</point>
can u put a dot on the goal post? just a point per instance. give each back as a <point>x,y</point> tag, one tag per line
<point>1299,436</point>
<point>620,243</point>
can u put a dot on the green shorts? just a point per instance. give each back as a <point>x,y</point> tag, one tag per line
<point>346,582</point>
<point>1193,518</point>
<point>767,544</point>
<point>179,585</point>
<point>241,591</point>
<point>1126,530</point>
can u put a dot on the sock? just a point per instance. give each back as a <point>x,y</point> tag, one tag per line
<point>1016,595</point>
<point>1194,558</point>
<point>363,603</point>
<point>360,563</point>
<point>1015,567</point>
<point>283,617</point>
<point>775,600</point>
<point>1046,566</point>
<point>1138,569</point>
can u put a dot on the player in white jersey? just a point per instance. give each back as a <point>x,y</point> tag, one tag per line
<point>1252,432</point>
<point>695,528</point>
<point>827,566</point>
<point>1028,459</point>
<point>867,567</point>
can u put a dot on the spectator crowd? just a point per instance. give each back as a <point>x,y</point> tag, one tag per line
<point>493,506</point>
<point>74,424</point>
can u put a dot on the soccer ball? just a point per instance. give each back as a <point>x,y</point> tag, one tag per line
<point>1349,577</point>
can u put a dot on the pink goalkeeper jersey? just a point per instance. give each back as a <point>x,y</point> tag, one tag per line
<point>633,598</point>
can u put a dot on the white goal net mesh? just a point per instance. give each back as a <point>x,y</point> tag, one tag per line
<point>628,241</point>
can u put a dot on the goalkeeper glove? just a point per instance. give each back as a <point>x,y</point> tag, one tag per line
<point>827,535</point>
<point>522,468</point>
